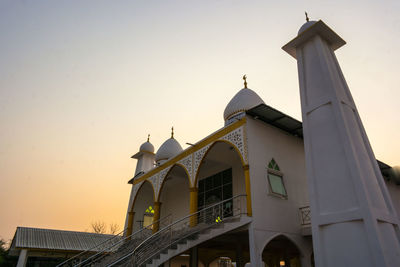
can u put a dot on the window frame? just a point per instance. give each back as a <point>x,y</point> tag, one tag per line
<point>280,175</point>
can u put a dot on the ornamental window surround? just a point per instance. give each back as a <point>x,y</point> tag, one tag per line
<point>275,180</point>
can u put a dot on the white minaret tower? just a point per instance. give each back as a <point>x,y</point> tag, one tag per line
<point>353,219</point>
<point>145,162</point>
<point>145,157</point>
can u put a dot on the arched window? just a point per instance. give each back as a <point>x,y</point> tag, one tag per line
<point>148,216</point>
<point>275,180</point>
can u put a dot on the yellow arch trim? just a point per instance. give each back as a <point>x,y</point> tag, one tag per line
<point>162,185</point>
<point>137,193</point>
<point>199,145</point>
<point>209,149</point>
<point>245,173</point>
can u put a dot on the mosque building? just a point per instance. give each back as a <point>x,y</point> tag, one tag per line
<point>237,197</point>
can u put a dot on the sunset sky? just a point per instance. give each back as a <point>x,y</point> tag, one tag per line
<point>82,83</point>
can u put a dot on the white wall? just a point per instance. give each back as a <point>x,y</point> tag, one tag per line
<point>144,199</point>
<point>175,197</point>
<point>272,214</point>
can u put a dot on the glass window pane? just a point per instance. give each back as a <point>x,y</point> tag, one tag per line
<point>217,180</point>
<point>201,186</point>
<point>276,184</point>
<point>147,220</point>
<point>227,191</point>
<point>227,176</point>
<point>208,184</point>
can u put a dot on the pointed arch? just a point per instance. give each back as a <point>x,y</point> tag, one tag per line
<point>157,198</point>
<point>267,241</point>
<point>196,174</point>
<point>282,247</point>
<point>140,186</point>
<point>174,194</point>
<point>273,165</point>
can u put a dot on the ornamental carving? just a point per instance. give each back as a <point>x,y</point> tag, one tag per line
<point>157,180</point>
<point>187,162</point>
<point>135,189</point>
<point>237,137</point>
<point>198,156</point>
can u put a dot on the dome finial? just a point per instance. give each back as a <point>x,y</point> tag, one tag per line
<point>307,19</point>
<point>148,138</point>
<point>245,81</point>
<point>172,132</point>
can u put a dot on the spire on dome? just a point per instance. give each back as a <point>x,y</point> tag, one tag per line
<point>172,132</point>
<point>307,19</point>
<point>148,138</point>
<point>245,81</point>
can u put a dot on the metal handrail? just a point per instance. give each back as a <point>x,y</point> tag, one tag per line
<point>148,227</point>
<point>168,228</point>
<point>112,245</point>
<point>90,249</point>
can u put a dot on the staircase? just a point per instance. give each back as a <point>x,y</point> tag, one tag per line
<point>196,239</point>
<point>114,248</point>
<point>187,232</point>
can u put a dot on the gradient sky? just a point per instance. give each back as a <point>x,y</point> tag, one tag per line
<point>82,83</point>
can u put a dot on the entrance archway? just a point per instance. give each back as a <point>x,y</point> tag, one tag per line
<point>143,206</point>
<point>220,175</point>
<point>174,194</point>
<point>281,252</point>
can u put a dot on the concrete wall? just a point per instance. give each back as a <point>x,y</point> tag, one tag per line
<point>273,215</point>
<point>175,197</point>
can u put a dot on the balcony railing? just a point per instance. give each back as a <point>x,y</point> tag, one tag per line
<point>305,216</point>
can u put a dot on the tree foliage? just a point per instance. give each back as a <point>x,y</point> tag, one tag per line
<point>5,259</point>
<point>100,227</point>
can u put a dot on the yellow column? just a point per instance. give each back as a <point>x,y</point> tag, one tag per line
<point>193,205</point>
<point>248,190</point>
<point>129,229</point>
<point>156,218</point>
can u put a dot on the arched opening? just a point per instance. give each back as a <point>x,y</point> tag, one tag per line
<point>221,261</point>
<point>174,194</point>
<point>281,252</point>
<point>220,175</point>
<point>143,206</point>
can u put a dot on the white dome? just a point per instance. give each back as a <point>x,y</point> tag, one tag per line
<point>147,147</point>
<point>168,149</point>
<point>306,25</point>
<point>244,100</point>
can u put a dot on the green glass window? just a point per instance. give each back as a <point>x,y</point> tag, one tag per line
<point>276,183</point>
<point>148,217</point>
<point>275,179</point>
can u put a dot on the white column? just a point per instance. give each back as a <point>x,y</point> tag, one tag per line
<point>23,256</point>
<point>353,219</point>
<point>255,254</point>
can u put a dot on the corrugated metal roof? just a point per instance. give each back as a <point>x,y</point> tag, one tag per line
<point>37,238</point>
<point>286,123</point>
<point>278,119</point>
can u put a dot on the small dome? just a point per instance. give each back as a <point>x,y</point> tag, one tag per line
<point>147,147</point>
<point>244,100</point>
<point>306,25</point>
<point>168,149</point>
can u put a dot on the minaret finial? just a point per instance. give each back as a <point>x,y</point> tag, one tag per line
<point>245,81</point>
<point>172,132</point>
<point>307,19</point>
<point>148,138</point>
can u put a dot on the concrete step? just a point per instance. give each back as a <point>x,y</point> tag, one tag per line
<point>200,237</point>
